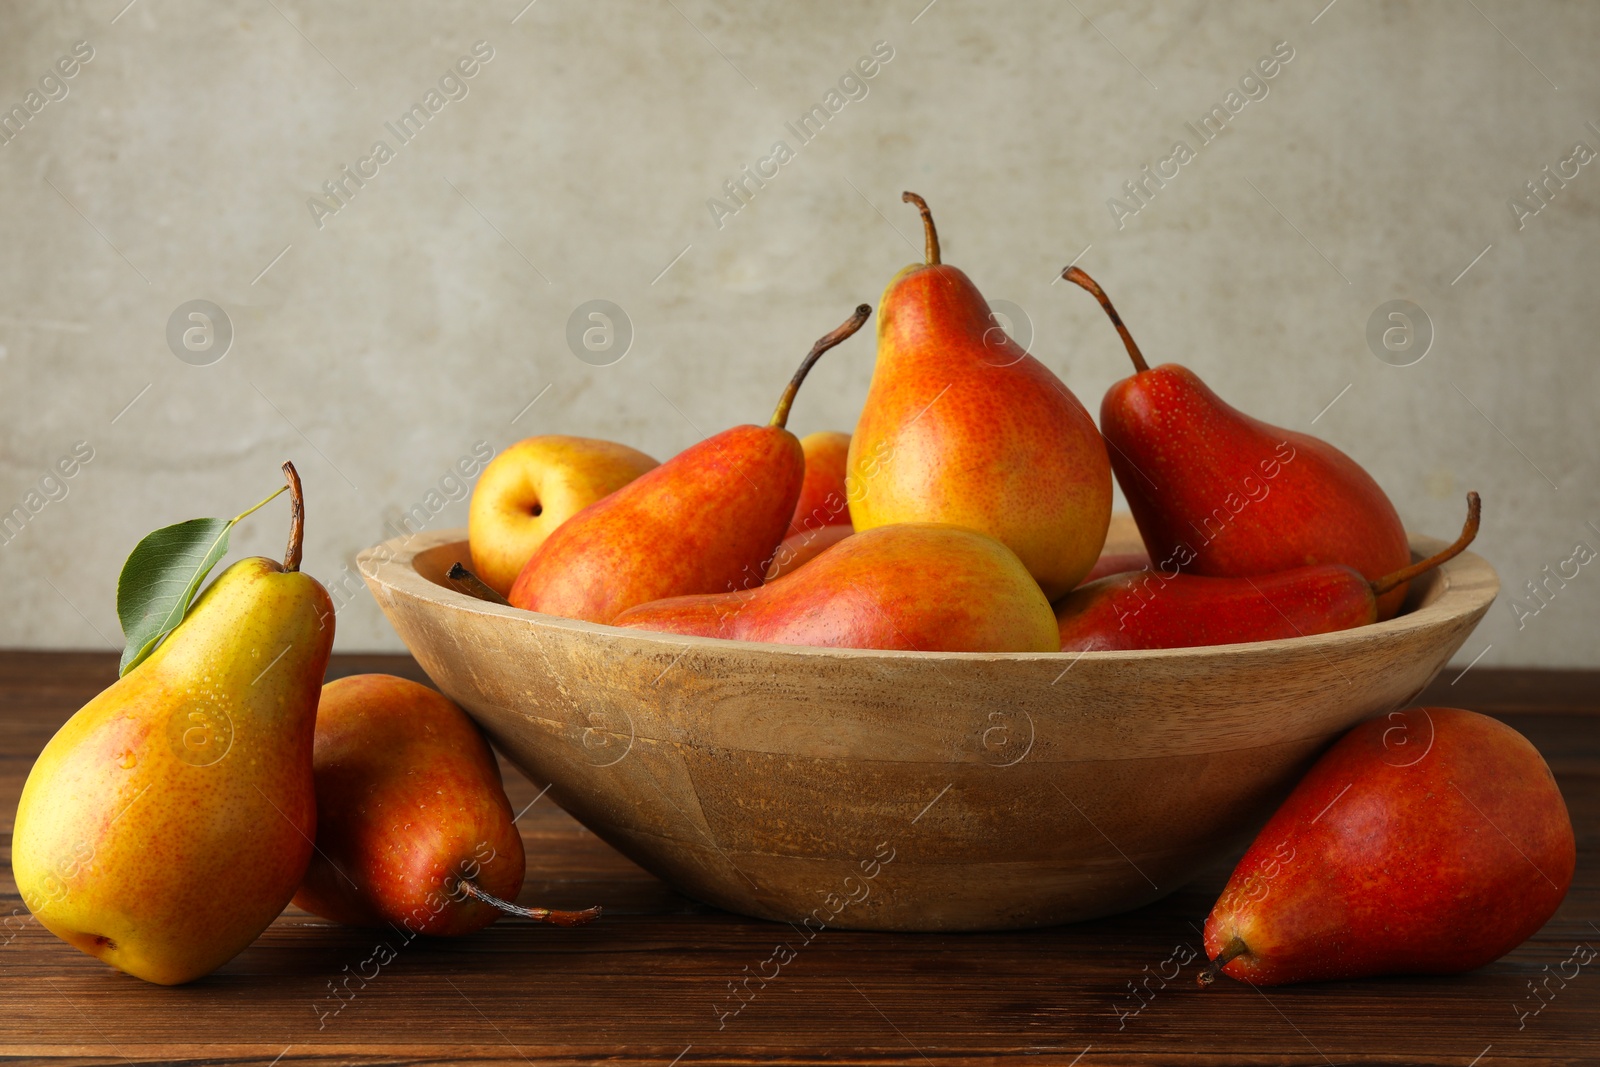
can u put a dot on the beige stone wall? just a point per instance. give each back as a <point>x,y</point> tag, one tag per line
<point>380,343</point>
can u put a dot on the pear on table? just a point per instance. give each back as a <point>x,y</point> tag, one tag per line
<point>706,521</point>
<point>1218,493</point>
<point>1428,841</point>
<point>414,829</point>
<point>170,820</point>
<point>962,426</point>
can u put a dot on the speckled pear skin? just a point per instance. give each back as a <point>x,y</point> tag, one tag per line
<point>1238,497</point>
<point>1145,609</point>
<point>168,822</point>
<point>410,801</point>
<point>823,500</point>
<point>916,587</point>
<point>706,521</point>
<point>1426,841</point>
<point>962,426</point>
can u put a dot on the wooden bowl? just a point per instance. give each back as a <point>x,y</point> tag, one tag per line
<point>908,790</point>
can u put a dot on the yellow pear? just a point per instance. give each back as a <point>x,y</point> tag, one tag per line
<point>534,486</point>
<point>169,821</point>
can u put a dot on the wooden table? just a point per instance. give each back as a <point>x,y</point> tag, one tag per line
<point>643,985</point>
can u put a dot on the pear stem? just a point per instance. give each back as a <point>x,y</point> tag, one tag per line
<point>1468,532</point>
<point>297,518</point>
<point>929,234</point>
<point>1233,949</point>
<point>543,915</point>
<point>1079,278</point>
<point>780,417</point>
<point>473,586</point>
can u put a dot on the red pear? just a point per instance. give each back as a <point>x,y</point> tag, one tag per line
<point>924,587</point>
<point>1153,609</point>
<point>1218,493</point>
<point>413,826</point>
<point>1428,841</point>
<point>706,521</point>
<point>1111,563</point>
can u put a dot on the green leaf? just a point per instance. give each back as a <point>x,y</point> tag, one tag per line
<point>161,577</point>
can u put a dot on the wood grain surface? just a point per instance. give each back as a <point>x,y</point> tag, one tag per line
<point>651,982</point>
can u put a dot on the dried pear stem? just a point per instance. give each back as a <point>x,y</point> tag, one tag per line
<point>543,915</point>
<point>473,586</point>
<point>1080,278</point>
<point>929,234</point>
<point>297,518</point>
<point>828,340</point>
<point>1234,948</point>
<point>1468,532</point>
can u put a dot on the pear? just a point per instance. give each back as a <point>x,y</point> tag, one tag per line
<point>1149,609</point>
<point>1218,493</point>
<point>1427,841</point>
<point>823,500</point>
<point>1111,563</point>
<point>962,426</point>
<point>413,825</point>
<point>801,548</point>
<point>706,521</point>
<point>922,587</point>
<point>534,486</point>
<point>168,822</point>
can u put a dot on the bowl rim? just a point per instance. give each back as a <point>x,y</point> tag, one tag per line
<point>1470,586</point>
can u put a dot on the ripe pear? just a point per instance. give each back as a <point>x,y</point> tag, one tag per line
<point>1232,495</point>
<point>1111,563</point>
<point>923,587</point>
<point>1428,841</point>
<point>1150,609</point>
<point>801,548</point>
<point>533,487</point>
<point>706,521</point>
<point>168,822</point>
<point>962,426</point>
<point>413,825</point>
<point>823,500</point>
